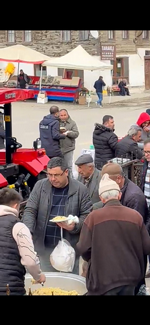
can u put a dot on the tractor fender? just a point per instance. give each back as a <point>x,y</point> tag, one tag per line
<point>36,166</point>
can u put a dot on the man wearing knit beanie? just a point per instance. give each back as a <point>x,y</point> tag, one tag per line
<point>107,184</point>
<point>132,197</point>
<point>113,241</point>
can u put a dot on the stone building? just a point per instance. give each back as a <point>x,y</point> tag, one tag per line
<point>57,42</point>
<point>131,47</point>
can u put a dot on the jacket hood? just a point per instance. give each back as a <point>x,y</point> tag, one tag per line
<point>49,119</point>
<point>143,118</point>
<point>5,210</point>
<point>100,128</point>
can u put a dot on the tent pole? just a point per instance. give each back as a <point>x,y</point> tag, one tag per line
<point>64,71</point>
<point>41,77</point>
<point>18,75</point>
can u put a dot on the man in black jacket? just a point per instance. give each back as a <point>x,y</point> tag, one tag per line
<point>128,147</point>
<point>50,133</point>
<point>99,84</point>
<point>104,141</point>
<point>23,79</point>
<point>132,195</point>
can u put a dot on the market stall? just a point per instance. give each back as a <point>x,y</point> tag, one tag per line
<point>20,54</point>
<point>56,88</point>
<point>77,59</point>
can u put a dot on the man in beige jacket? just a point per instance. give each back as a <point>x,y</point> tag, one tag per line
<point>69,128</point>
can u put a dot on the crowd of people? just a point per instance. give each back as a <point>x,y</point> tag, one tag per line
<point>112,235</point>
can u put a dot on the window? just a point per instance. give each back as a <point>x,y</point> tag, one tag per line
<point>37,70</point>
<point>66,35</point>
<point>125,34</point>
<point>11,36</point>
<point>145,34</point>
<point>111,34</point>
<point>27,36</point>
<point>83,35</point>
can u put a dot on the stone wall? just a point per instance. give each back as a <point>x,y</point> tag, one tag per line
<point>123,46</point>
<point>50,43</point>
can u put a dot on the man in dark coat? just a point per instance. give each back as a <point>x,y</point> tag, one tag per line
<point>23,80</point>
<point>132,195</point>
<point>104,141</point>
<point>99,84</point>
<point>50,133</point>
<point>128,147</point>
<point>89,176</point>
<point>57,195</point>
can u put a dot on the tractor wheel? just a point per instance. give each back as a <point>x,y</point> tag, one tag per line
<point>41,176</point>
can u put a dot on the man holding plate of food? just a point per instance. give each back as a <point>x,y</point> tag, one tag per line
<point>56,196</point>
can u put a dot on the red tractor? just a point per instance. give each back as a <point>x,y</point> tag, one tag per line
<point>19,168</point>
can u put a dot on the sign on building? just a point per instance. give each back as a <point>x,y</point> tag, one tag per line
<point>108,52</point>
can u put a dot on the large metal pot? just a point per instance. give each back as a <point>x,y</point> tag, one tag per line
<point>64,281</point>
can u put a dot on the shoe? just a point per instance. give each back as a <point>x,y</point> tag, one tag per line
<point>143,291</point>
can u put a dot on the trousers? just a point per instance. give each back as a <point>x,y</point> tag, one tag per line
<point>69,161</point>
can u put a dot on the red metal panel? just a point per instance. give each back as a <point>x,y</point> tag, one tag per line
<point>9,95</point>
<point>3,181</point>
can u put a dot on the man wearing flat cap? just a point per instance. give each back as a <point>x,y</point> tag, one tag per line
<point>89,176</point>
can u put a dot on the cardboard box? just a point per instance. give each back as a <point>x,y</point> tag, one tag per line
<point>82,100</point>
<point>42,100</point>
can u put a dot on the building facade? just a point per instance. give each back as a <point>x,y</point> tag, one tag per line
<point>131,47</point>
<point>57,42</point>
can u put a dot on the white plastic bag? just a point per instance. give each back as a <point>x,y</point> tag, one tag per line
<point>63,257</point>
<point>72,219</point>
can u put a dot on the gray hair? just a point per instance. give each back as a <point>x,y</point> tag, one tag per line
<point>57,162</point>
<point>134,129</point>
<point>110,194</point>
<point>91,164</point>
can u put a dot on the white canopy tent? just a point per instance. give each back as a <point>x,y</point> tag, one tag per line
<point>22,54</point>
<point>78,59</point>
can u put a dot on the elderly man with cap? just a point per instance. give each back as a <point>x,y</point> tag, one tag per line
<point>89,176</point>
<point>113,241</point>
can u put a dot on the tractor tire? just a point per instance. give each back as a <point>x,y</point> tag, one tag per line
<point>41,176</point>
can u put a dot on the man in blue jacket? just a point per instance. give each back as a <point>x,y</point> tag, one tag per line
<point>50,133</point>
<point>99,84</point>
